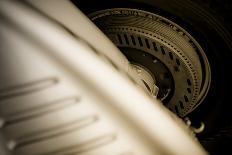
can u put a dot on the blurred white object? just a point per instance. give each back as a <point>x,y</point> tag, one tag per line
<point>60,93</point>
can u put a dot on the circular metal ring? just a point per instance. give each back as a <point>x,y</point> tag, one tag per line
<point>160,40</point>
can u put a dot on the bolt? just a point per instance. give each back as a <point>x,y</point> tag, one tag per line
<point>155,61</point>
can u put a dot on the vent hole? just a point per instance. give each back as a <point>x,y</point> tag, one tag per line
<point>181,104</point>
<point>147,43</point>
<point>170,55</point>
<point>140,42</point>
<point>176,109</point>
<point>133,40</point>
<point>126,39</point>
<point>148,88</point>
<point>162,50</point>
<point>178,62</point>
<point>189,82</point>
<point>189,90</point>
<point>154,46</point>
<point>119,38</point>
<point>186,98</point>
